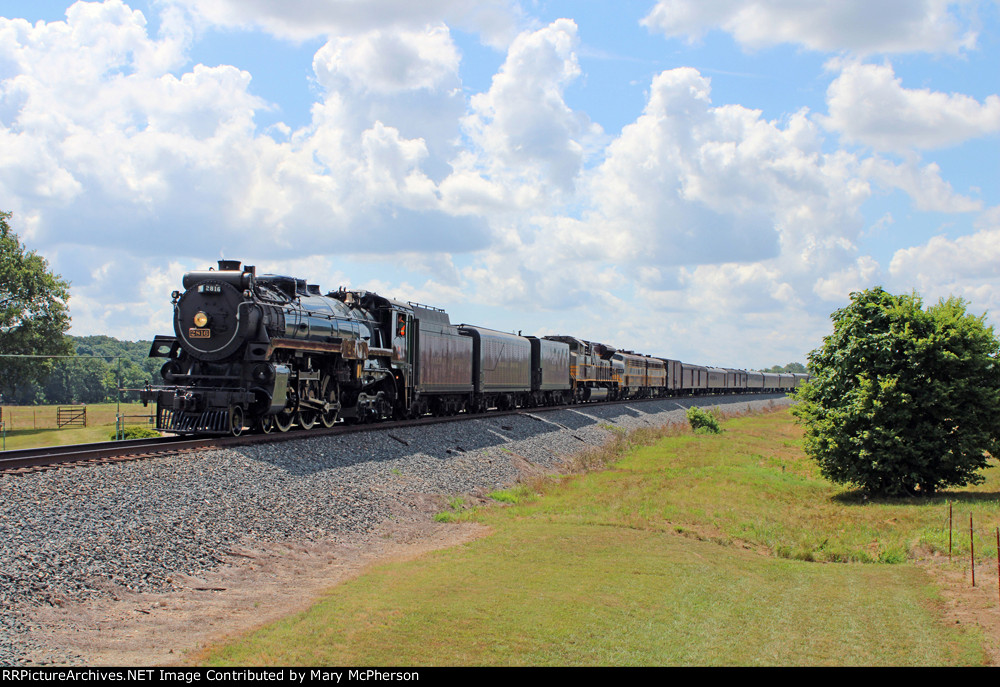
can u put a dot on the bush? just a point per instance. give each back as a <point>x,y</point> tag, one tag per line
<point>702,422</point>
<point>136,432</point>
<point>903,400</point>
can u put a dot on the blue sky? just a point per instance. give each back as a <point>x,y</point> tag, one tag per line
<point>706,181</point>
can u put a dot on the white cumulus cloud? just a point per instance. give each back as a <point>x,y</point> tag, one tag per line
<point>693,183</point>
<point>924,185</point>
<point>971,260</point>
<point>497,20</point>
<point>390,61</point>
<point>965,266</point>
<point>701,213</point>
<point>94,130</point>
<point>858,26</point>
<point>523,134</point>
<point>838,286</point>
<point>868,104</point>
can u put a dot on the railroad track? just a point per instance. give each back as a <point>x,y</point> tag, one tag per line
<point>32,459</point>
<point>47,456</point>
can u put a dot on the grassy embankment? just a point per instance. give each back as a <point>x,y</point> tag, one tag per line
<point>31,426</point>
<point>687,550</point>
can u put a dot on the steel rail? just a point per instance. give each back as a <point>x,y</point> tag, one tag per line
<point>16,459</point>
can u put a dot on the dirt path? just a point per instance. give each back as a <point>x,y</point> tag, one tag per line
<point>257,586</point>
<point>963,604</point>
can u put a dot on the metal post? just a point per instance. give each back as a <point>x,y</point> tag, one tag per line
<point>950,528</point>
<point>972,551</point>
<point>119,425</point>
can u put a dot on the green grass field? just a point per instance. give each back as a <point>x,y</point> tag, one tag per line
<point>693,550</point>
<point>32,426</point>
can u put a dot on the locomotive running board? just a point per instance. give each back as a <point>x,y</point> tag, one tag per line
<point>351,349</point>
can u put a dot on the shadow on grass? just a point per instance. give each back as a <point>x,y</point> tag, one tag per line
<point>17,433</point>
<point>859,497</point>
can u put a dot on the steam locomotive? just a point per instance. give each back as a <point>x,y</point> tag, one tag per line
<point>268,352</point>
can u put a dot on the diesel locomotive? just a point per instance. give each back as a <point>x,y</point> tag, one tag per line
<point>269,352</point>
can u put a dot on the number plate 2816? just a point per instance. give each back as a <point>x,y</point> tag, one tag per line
<point>195,333</point>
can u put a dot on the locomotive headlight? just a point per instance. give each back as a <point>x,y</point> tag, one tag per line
<point>200,319</point>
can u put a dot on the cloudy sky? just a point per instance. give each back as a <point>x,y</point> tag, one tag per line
<point>699,180</point>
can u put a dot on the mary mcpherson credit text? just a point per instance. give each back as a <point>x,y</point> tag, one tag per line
<point>292,675</point>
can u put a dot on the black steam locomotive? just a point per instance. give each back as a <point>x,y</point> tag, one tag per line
<point>267,352</point>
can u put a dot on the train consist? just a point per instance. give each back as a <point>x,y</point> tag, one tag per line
<point>269,352</point>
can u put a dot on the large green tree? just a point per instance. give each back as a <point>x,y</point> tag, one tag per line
<point>903,399</point>
<point>33,313</point>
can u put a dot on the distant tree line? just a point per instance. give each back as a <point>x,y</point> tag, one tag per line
<point>790,367</point>
<point>85,379</point>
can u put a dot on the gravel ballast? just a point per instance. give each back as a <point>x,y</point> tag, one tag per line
<point>73,534</point>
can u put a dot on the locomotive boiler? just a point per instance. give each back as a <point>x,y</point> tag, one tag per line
<point>270,351</point>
